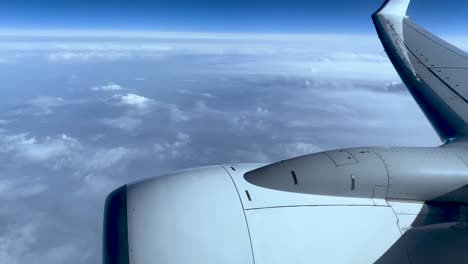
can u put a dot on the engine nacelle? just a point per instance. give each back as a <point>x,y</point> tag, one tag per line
<point>418,174</point>
<point>192,216</point>
<point>343,206</point>
<point>213,215</point>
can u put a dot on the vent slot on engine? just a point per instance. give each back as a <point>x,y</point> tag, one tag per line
<point>294,177</point>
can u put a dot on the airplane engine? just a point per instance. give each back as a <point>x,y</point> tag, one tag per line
<point>214,215</point>
<point>192,216</point>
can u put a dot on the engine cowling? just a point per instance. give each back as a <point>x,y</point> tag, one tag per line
<point>214,215</point>
<point>192,216</point>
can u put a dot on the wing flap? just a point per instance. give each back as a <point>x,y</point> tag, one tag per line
<point>435,72</point>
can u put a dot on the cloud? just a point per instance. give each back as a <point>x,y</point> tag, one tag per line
<point>94,160</point>
<point>139,106</point>
<point>108,87</point>
<point>329,55</point>
<point>61,152</point>
<point>58,254</point>
<point>395,86</point>
<point>19,244</point>
<point>300,148</point>
<point>21,187</point>
<point>262,111</point>
<point>47,102</point>
<point>175,113</point>
<point>201,94</point>
<point>125,123</point>
<point>254,153</point>
<point>175,149</point>
<point>105,158</point>
<point>87,56</point>
<point>86,51</point>
<point>97,137</point>
<point>44,105</point>
<point>132,100</point>
<point>28,148</point>
<point>16,241</point>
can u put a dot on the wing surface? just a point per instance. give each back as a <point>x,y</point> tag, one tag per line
<point>435,72</point>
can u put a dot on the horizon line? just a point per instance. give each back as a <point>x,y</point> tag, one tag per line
<point>103,33</point>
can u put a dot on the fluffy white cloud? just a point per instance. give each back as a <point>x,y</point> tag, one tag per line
<point>173,149</point>
<point>21,187</point>
<point>28,148</point>
<point>300,148</point>
<point>18,244</point>
<point>88,160</point>
<point>105,158</point>
<point>395,86</point>
<point>42,105</point>
<point>107,87</point>
<point>95,168</point>
<point>138,106</point>
<point>60,152</point>
<point>262,111</point>
<point>16,241</point>
<point>132,100</point>
<point>175,113</point>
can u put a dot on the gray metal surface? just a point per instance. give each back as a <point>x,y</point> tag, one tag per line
<point>432,232</point>
<point>191,216</point>
<point>421,174</point>
<point>346,173</point>
<point>322,234</point>
<point>260,198</point>
<point>433,70</point>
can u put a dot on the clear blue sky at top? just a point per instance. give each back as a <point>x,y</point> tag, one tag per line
<point>289,16</point>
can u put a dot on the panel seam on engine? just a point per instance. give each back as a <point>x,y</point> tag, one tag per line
<point>321,205</point>
<point>243,211</point>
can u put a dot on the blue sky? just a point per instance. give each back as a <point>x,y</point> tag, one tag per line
<point>293,16</point>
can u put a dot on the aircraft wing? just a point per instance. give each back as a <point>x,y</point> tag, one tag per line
<point>435,72</point>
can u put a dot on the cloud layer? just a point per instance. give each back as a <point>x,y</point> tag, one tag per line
<point>107,87</point>
<point>132,100</point>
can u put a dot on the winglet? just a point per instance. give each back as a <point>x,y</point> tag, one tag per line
<point>394,8</point>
